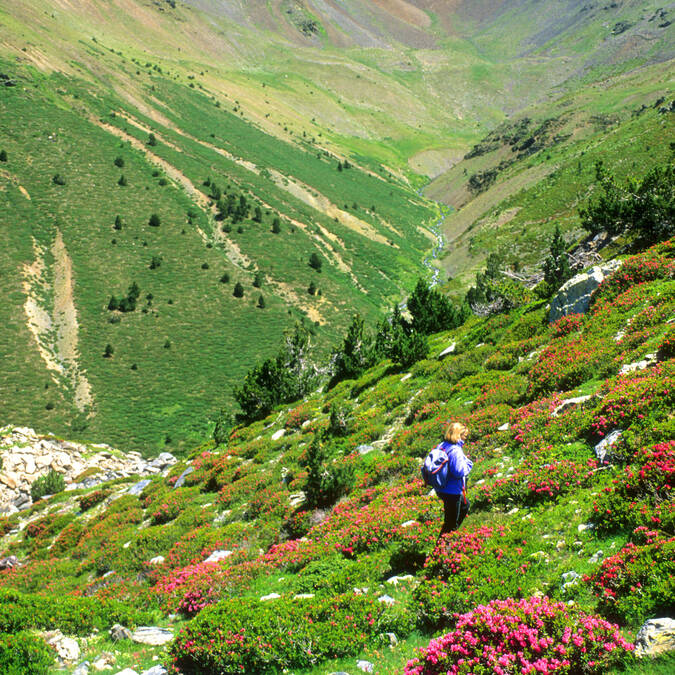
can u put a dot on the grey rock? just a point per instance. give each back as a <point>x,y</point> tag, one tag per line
<point>137,488</point>
<point>181,479</point>
<point>9,562</point>
<point>582,527</point>
<point>82,668</point>
<point>126,671</point>
<point>365,666</point>
<point>364,449</point>
<point>596,558</point>
<point>574,297</point>
<point>649,360</point>
<point>155,670</point>
<point>119,632</point>
<point>163,460</point>
<point>387,600</point>
<point>570,579</point>
<point>391,638</point>
<point>602,449</point>
<point>656,636</point>
<point>396,580</point>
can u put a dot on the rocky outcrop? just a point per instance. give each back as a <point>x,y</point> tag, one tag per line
<point>26,455</point>
<point>574,297</point>
<point>655,637</point>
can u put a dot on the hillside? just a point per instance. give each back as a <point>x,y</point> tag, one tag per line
<point>306,540</point>
<point>215,119</point>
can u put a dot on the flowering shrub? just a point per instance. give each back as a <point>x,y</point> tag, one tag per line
<point>509,388</point>
<point>249,636</point>
<point>572,323</point>
<point>93,498</point>
<point>268,504</point>
<point>537,479</point>
<point>629,398</point>
<point>642,495</point>
<point>468,567</point>
<point>533,635</point>
<point>24,654</point>
<point>638,581</point>
<point>171,505</point>
<point>667,345</point>
<point>387,468</point>
<point>417,439</point>
<point>654,263</point>
<point>297,416</point>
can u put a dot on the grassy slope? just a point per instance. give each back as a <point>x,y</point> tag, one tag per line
<point>485,386</point>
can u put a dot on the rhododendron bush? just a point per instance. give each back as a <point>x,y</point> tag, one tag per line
<point>638,582</point>
<point>532,635</point>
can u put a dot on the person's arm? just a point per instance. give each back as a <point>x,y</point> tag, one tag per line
<point>459,464</point>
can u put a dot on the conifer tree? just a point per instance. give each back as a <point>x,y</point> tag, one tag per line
<point>556,267</point>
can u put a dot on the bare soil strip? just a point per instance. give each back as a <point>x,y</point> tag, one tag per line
<point>56,331</point>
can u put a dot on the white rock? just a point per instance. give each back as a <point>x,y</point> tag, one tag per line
<point>278,434</point>
<point>218,555</point>
<point>365,666</point>
<point>448,350</point>
<point>656,636</point>
<point>406,377</point>
<point>582,527</point>
<point>155,670</point>
<point>408,523</point>
<point>126,671</point>
<point>386,599</point>
<point>504,427</point>
<point>596,557</point>
<point>303,596</point>
<point>513,511</point>
<point>569,403</point>
<point>395,580</point>
<point>157,560</point>
<point>152,635</point>
<point>364,449</point>
<point>67,648</point>
<point>271,596</point>
<point>649,360</point>
<point>605,445</point>
<point>393,640</point>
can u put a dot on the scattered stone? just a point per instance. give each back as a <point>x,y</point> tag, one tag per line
<point>656,636</point>
<point>448,350</point>
<point>361,591</point>
<point>569,403</point>
<point>137,488</point>
<point>582,527</point>
<point>605,445</point>
<point>504,427</point>
<point>574,297</point>
<point>271,596</point>
<point>408,523</point>
<point>396,580</point>
<point>387,600</point>
<point>155,670</point>
<point>305,424</point>
<point>596,558</point>
<point>181,479</point>
<point>649,360</point>
<point>391,637</point>
<point>406,377</point>
<point>67,648</point>
<point>364,449</point>
<point>303,596</point>
<point>152,635</point>
<point>119,632</point>
<point>218,555</point>
<point>365,666</point>
<point>560,545</point>
<point>278,434</point>
<point>9,562</point>
<point>105,661</point>
<point>126,671</point>
<point>570,579</point>
<point>296,499</point>
<point>513,511</point>
<point>539,555</point>
<point>82,668</point>
<point>157,560</point>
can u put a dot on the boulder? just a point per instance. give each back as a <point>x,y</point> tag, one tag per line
<point>278,434</point>
<point>119,632</point>
<point>9,562</point>
<point>82,668</point>
<point>181,479</point>
<point>574,297</point>
<point>656,636</point>
<point>386,599</point>
<point>569,403</point>
<point>365,666</point>
<point>137,488</point>
<point>127,671</point>
<point>152,635</point>
<point>66,648</point>
<point>218,555</point>
<point>271,596</point>
<point>448,350</point>
<point>155,670</point>
<point>602,449</point>
<point>649,360</point>
<point>364,449</point>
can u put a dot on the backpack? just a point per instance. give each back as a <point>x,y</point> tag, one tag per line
<point>435,468</point>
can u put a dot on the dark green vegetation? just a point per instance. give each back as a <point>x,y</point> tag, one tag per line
<point>323,496</point>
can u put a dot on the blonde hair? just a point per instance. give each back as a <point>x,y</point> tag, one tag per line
<point>456,432</point>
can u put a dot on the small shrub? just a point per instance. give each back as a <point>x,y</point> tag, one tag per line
<point>87,501</point>
<point>58,179</point>
<point>24,654</point>
<point>49,484</point>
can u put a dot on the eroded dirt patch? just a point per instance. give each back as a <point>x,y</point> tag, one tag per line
<point>52,319</point>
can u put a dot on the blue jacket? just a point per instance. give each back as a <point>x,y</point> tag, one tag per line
<point>459,466</point>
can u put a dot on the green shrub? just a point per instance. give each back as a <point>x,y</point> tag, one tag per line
<point>246,635</point>
<point>24,654</point>
<point>49,484</point>
<point>93,498</point>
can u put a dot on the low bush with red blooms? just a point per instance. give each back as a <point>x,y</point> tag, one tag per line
<point>630,398</point>
<point>667,345</point>
<point>297,416</point>
<point>572,323</point>
<point>170,506</point>
<point>509,389</point>
<point>468,567</point>
<point>88,501</point>
<point>642,494</point>
<point>638,582</point>
<point>531,635</point>
<point>417,439</point>
<point>538,479</point>
<point>656,262</point>
<point>248,636</point>
<point>268,503</point>
<point>243,486</point>
<point>388,468</point>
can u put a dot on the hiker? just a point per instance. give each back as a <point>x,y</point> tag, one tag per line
<point>453,492</point>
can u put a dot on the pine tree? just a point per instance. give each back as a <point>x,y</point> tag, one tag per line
<point>122,181</point>
<point>257,215</point>
<point>556,267</point>
<point>312,288</point>
<point>119,162</point>
<point>315,262</point>
<point>257,280</point>
<point>118,223</point>
<point>108,352</point>
<point>3,155</point>
<point>154,220</point>
<point>261,302</point>
<point>152,140</point>
<point>276,226</point>
<point>238,291</point>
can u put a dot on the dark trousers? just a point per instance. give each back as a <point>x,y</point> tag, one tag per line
<point>455,508</point>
